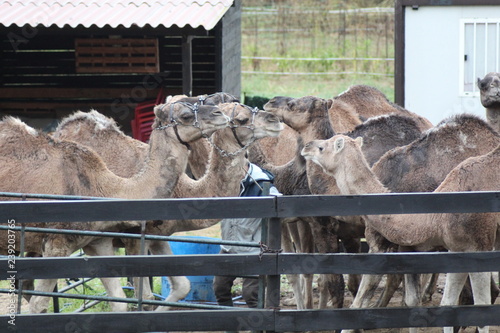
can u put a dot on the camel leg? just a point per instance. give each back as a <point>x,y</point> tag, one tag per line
<point>40,304</point>
<point>179,285</point>
<point>481,283</point>
<point>430,287</point>
<point>307,246</point>
<point>352,245</point>
<point>331,286</point>
<point>293,279</point>
<point>413,293</point>
<point>113,286</point>
<point>452,289</point>
<point>55,246</point>
<point>392,284</point>
<point>370,282</point>
<point>133,247</point>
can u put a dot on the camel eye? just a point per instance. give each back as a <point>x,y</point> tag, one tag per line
<point>320,149</point>
<point>186,115</point>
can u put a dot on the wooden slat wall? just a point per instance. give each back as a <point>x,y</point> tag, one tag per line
<point>204,58</point>
<point>48,61</point>
<point>117,55</point>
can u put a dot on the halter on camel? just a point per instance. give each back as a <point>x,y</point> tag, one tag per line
<point>233,127</point>
<point>174,123</point>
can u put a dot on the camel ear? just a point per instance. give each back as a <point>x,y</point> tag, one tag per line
<point>338,144</point>
<point>169,98</point>
<point>329,103</point>
<point>359,141</point>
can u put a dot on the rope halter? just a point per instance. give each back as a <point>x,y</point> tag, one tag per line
<point>173,122</point>
<point>233,126</point>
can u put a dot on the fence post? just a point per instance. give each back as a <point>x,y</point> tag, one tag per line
<point>273,281</point>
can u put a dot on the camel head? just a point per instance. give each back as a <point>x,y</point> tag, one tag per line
<point>298,113</point>
<point>189,121</point>
<point>330,153</point>
<point>250,124</point>
<point>489,88</point>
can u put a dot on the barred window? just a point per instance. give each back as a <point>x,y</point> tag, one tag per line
<point>480,52</point>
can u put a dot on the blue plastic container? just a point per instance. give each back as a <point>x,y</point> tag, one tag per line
<point>201,286</point>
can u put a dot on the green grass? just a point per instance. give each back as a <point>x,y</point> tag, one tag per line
<point>324,86</point>
<point>307,30</point>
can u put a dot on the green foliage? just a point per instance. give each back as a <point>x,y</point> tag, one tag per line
<point>289,32</point>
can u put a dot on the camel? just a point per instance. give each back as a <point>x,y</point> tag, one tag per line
<point>341,157</point>
<point>29,157</point>
<point>222,178</point>
<point>352,107</point>
<point>308,116</point>
<point>420,167</point>
<point>489,88</point>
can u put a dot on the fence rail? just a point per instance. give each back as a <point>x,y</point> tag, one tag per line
<point>270,264</point>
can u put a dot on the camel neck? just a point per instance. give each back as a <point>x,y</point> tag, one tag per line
<point>319,128</point>
<point>225,172</point>
<point>166,161</point>
<point>493,116</point>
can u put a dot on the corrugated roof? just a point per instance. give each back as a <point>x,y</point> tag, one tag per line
<point>195,13</point>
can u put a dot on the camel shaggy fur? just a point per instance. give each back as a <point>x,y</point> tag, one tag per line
<point>352,107</point>
<point>342,158</point>
<point>420,167</point>
<point>309,117</point>
<point>29,157</point>
<point>222,178</point>
<point>489,88</point>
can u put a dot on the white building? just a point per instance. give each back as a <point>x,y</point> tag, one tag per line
<point>442,48</point>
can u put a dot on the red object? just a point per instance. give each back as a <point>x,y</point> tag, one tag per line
<point>144,117</point>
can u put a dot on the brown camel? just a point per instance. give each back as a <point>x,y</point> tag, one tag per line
<point>29,156</point>
<point>308,116</point>
<point>420,167</point>
<point>489,88</point>
<point>352,107</point>
<point>222,178</point>
<point>341,157</point>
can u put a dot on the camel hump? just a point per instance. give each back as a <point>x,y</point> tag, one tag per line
<point>15,127</point>
<point>465,121</point>
<point>88,122</point>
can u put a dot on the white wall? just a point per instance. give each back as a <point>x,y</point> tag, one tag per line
<point>433,58</point>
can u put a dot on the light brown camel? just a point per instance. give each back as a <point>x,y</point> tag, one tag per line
<point>420,167</point>
<point>226,167</point>
<point>308,116</point>
<point>489,88</point>
<point>346,111</point>
<point>28,157</point>
<point>341,157</point>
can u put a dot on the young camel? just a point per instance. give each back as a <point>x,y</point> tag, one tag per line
<point>489,88</point>
<point>309,118</point>
<point>342,158</point>
<point>222,178</point>
<point>29,156</point>
<point>420,167</point>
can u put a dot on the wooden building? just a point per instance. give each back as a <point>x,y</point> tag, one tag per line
<point>60,56</point>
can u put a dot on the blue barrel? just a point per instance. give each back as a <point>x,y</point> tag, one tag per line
<point>201,286</point>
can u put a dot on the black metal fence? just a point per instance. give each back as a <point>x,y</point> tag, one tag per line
<point>272,318</point>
